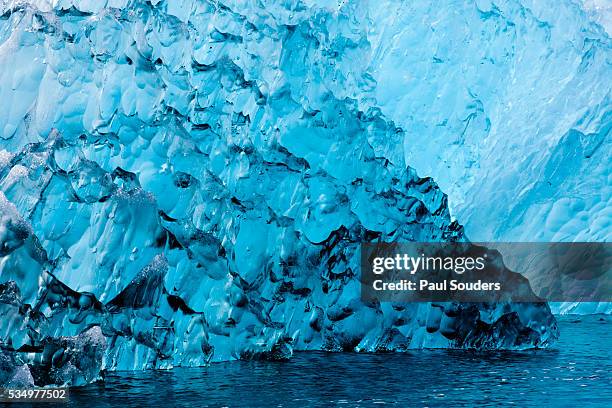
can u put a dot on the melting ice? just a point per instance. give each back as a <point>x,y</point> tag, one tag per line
<point>183,182</point>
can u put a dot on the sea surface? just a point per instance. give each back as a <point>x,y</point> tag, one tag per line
<point>577,372</point>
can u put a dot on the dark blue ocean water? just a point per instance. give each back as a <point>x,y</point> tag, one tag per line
<point>576,373</point>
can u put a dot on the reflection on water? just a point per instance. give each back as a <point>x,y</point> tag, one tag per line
<point>576,372</point>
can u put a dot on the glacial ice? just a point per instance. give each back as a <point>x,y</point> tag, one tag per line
<point>184,181</point>
<point>521,106</point>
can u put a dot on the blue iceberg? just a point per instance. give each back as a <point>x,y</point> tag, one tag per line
<point>185,182</point>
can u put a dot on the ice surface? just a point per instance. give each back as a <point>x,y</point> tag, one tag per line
<point>512,118</point>
<point>193,178</point>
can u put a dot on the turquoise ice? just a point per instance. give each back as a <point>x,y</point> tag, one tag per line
<point>183,182</point>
